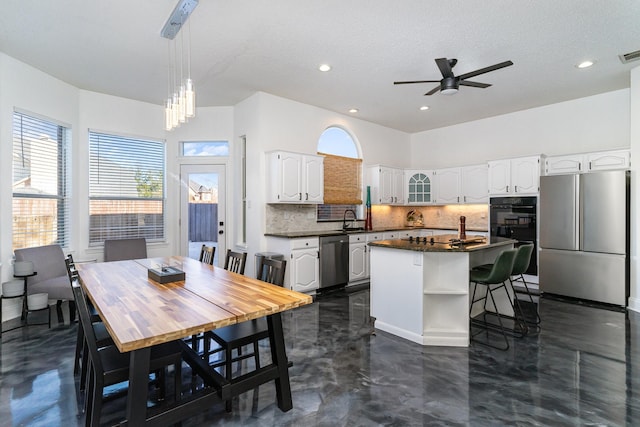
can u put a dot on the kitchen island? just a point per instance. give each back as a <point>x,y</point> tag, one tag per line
<point>420,287</point>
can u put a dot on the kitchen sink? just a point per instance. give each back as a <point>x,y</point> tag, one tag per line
<point>353,229</point>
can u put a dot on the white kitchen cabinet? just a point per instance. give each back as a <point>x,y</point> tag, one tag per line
<point>474,184</point>
<point>387,185</point>
<point>573,163</point>
<point>295,178</point>
<point>607,160</point>
<point>358,258</point>
<point>588,162</point>
<point>302,273</point>
<point>419,186</point>
<point>448,186</point>
<point>514,176</point>
<point>466,184</point>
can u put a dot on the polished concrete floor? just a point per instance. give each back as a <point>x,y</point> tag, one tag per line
<point>582,369</point>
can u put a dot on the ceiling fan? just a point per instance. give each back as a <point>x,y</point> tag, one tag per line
<point>450,82</point>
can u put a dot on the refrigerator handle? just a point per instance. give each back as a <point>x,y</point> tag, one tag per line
<point>579,215</point>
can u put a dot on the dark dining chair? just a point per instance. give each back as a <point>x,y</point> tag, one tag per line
<point>107,366</point>
<point>124,249</point>
<point>207,254</point>
<point>494,280</point>
<point>235,261</point>
<point>245,333</point>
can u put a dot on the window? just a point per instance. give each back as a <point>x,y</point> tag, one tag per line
<point>205,148</point>
<point>41,169</point>
<point>126,188</point>
<point>342,174</point>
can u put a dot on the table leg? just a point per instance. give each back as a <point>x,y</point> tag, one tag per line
<point>279,357</point>
<point>138,386</point>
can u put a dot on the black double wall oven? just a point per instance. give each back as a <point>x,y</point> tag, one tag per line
<point>515,218</point>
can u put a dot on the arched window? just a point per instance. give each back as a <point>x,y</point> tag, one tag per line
<point>342,174</point>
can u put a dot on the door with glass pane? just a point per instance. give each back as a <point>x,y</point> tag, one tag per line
<point>202,210</point>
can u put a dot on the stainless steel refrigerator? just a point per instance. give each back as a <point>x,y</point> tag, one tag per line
<point>584,236</point>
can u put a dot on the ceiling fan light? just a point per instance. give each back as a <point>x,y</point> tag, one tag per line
<point>449,91</point>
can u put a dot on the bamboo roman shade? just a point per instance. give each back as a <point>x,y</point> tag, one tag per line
<point>342,180</point>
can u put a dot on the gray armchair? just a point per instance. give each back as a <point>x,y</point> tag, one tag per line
<point>52,278</point>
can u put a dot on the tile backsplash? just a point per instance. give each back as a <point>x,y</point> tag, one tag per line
<point>288,218</point>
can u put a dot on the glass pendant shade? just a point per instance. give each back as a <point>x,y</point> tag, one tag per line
<point>190,106</point>
<point>182,115</point>
<point>168,122</point>
<point>175,111</point>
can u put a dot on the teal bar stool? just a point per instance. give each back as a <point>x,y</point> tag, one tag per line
<point>494,279</point>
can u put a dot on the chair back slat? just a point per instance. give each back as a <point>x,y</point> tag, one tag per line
<point>272,271</point>
<point>207,254</point>
<point>235,261</point>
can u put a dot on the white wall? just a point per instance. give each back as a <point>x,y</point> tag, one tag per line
<point>594,123</point>
<point>273,123</point>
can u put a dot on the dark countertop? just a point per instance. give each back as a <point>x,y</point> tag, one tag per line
<point>297,234</point>
<point>440,243</point>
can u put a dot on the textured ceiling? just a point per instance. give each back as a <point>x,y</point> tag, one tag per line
<point>243,46</point>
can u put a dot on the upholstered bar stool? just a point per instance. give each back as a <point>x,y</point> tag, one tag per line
<point>494,280</point>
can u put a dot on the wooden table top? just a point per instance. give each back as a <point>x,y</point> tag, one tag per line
<point>139,312</point>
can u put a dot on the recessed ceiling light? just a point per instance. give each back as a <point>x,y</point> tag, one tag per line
<point>324,67</point>
<point>585,64</point>
<point>353,110</point>
<point>424,107</point>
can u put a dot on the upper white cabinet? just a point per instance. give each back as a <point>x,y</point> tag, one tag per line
<point>467,184</point>
<point>588,162</point>
<point>515,176</point>
<point>419,186</point>
<point>295,178</point>
<point>606,160</point>
<point>387,185</point>
<point>448,186</point>
<point>474,184</point>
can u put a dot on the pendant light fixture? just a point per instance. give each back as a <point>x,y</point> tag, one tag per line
<point>180,104</point>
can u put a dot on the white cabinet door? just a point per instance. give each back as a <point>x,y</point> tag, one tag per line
<point>358,260</point>
<point>398,187</point>
<point>419,187</point>
<point>290,180</point>
<point>474,184</point>
<point>564,164</point>
<point>304,270</point>
<point>387,185</point>
<point>313,174</point>
<point>499,176</point>
<point>606,160</point>
<point>515,176</point>
<point>525,175</point>
<point>295,178</point>
<point>448,188</point>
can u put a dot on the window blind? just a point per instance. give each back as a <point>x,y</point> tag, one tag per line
<point>126,188</point>
<point>41,168</point>
<point>342,180</point>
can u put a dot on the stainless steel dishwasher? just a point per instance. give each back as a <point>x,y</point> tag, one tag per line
<point>334,260</point>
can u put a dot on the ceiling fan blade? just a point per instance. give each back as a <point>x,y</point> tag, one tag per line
<point>445,67</point>
<point>416,81</point>
<point>432,91</point>
<point>473,84</point>
<point>485,70</point>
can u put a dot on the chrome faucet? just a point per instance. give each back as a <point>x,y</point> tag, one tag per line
<point>344,218</point>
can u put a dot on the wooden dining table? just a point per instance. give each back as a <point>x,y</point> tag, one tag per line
<point>139,313</point>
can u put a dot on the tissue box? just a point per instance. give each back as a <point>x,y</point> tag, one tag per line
<point>166,275</point>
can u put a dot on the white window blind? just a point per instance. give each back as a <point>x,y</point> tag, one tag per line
<point>126,188</point>
<point>41,170</point>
